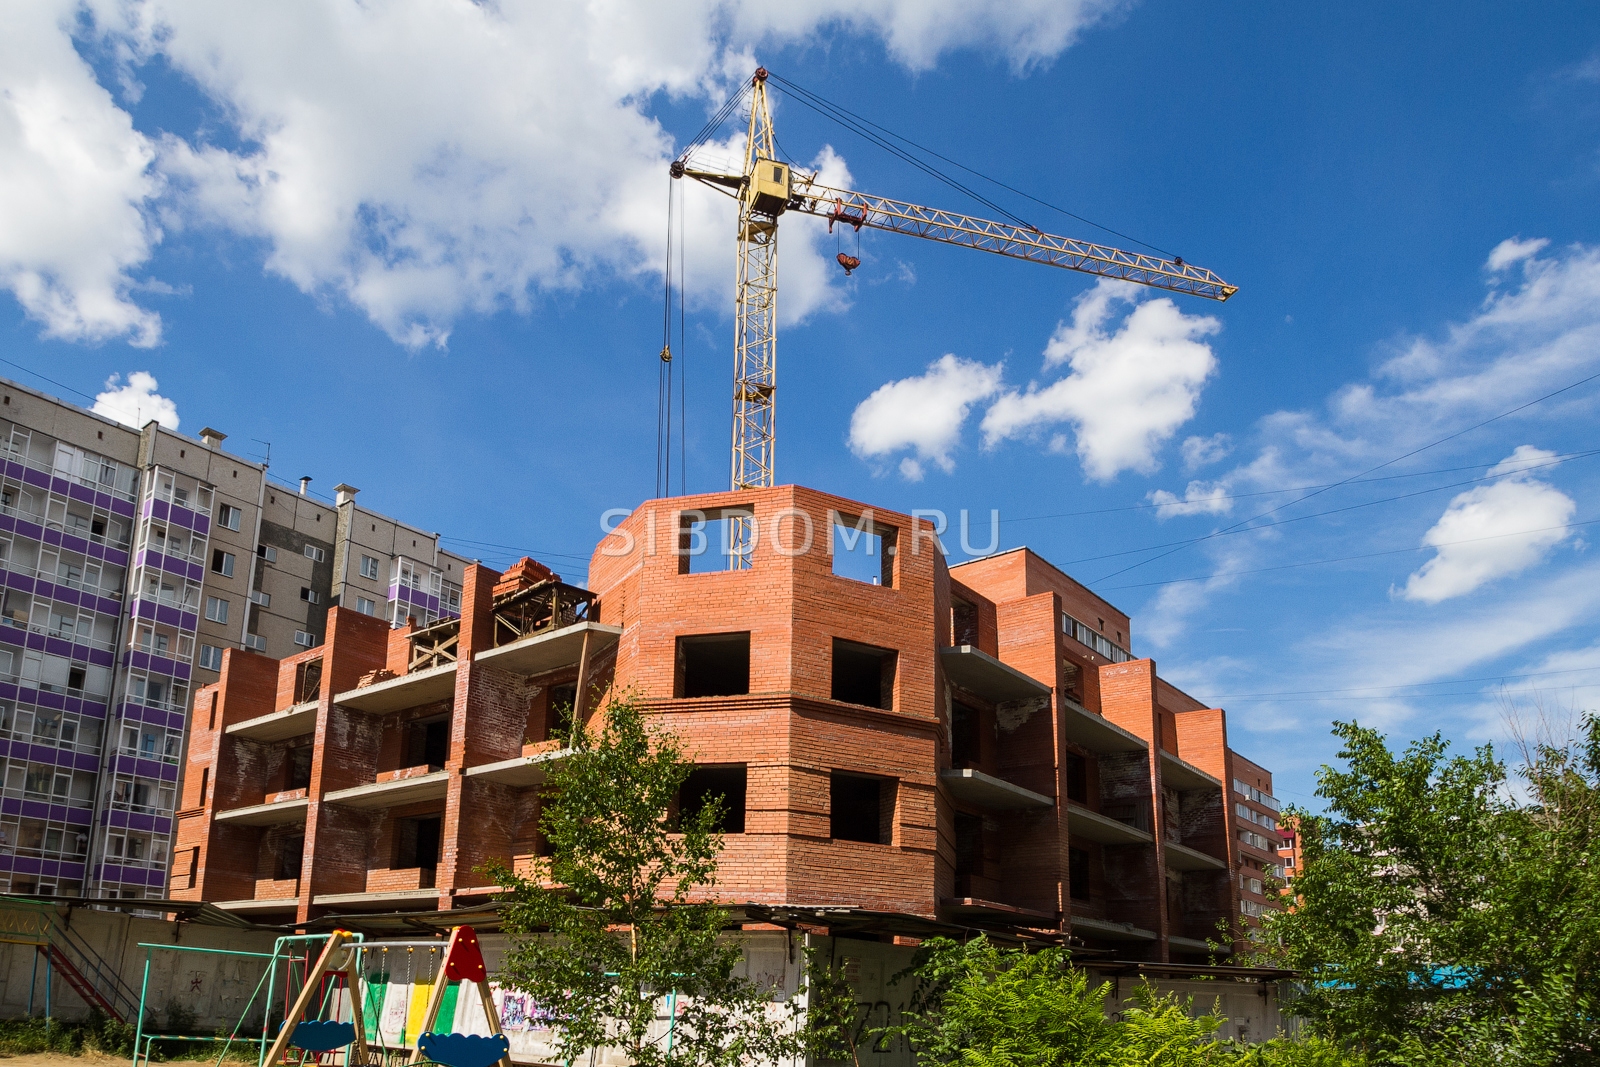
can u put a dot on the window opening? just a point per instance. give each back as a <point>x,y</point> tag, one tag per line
<point>861,550</point>
<point>428,742</point>
<point>1078,873</point>
<point>966,744</point>
<point>705,785</point>
<point>861,808</point>
<point>714,665</point>
<point>1077,778</point>
<point>417,842</point>
<point>863,674</point>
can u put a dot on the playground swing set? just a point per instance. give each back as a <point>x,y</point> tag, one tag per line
<point>341,968</point>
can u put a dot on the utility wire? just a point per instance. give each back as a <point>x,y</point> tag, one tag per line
<point>1239,528</point>
<point>1344,481</point>
<point>1347,559</point>
<point>52,381</point>
<point>792,87</point>
<point>1563,457</point>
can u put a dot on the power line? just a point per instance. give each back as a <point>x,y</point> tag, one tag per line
<point>52,381</point>
<point>1552,461</point>
<point>1346,559</point>
<point>1238,528</point>
<point>1353,477</point>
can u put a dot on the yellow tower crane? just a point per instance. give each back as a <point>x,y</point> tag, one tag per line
<point>767,187</point>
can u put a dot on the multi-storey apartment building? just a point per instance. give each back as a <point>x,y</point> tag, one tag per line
<point>130,560</point>
<point>971,745</point>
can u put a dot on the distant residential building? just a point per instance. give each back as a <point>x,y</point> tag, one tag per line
<point>131,560</point>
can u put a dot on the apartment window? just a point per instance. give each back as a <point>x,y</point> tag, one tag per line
<point>863,674</point>
<point>963,623</point>
<point>369,567</point>
<point>216,609</point>
<point>255,642</point>
<point>1078,873</point>
<point>427,742</point>
<point>222,563</point>
<point>310,596</point>
<point>229,516</point>
<point>315,554</point>
<point>260,598</point>
<point>211,657</point>
<point>1077,778</point>
<point>417,842</point>
<point>297,768</point>
<point>707,784</point>
<point>365,606</point>
<point>966,738</point>
<point>267,552</point>
<point>861,808</point>
<point>713,665</point>
<point>303,639</point>
<point>291,851</point>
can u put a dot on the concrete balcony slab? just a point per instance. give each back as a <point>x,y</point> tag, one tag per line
<point>522,772</point>
<point>991,793</point>
<point>972,907</point>
<point>1184,858</point>
<point>297,721</point>
<point>1096,732</point>
<point>251,906</point>
<point>1182,776</point>
<point>550,651</point>
<point>374,795</point>
<point>986,676</point>
<point>396,898</point>
<point>276,814</point>
<point>407,691</point>
<point>1192,944</point>
<point>1107,930</point>
<point>1092,826</point>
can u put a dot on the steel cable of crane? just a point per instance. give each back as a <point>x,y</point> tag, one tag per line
<point>1344,481</point>
<point>715,122</point>
<point>800,91</point>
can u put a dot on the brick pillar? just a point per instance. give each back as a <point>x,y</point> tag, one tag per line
<point>1128,698</point>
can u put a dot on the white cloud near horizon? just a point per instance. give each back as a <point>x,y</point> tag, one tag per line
<point>135,402</point>
<point>419,160</point>
<point>1200,452</point>
<point>1493,531</point>
<point>923,414</point>
<point>1514,250</point>
<point>1200,498</point>
<point>1130,385</point>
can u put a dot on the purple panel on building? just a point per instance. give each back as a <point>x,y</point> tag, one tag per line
<point>25,865</point>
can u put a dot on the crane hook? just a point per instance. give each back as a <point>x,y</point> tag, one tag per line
<point>848,262</point>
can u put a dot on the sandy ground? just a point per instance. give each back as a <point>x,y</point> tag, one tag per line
<point>57,1059</point>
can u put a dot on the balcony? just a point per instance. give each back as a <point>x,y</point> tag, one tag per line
<point>376,795</point>
<point>1184,858</point>
<point>407,691</point>
<point>1106,930</point>
<point>276,813</point>
<point>385,900</point>
<point>255,906</point>
<point>550,650</point>
<point>297,721</point>
<point>1095,732</point>
<point>521,772</point>
<point>1184,776</point>
<point>1092,826</point>
<point>990,793</point>
<point>980,673</point>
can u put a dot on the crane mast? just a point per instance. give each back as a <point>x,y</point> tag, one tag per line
<point>767,187</point>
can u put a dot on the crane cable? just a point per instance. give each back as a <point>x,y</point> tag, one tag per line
<point>664,366</point>
<point>864,127</point>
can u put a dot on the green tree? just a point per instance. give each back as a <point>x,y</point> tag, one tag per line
<point>615,924</point>
<point>1445,912</point>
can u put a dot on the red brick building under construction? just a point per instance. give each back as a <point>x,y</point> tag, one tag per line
<point>970,745</point>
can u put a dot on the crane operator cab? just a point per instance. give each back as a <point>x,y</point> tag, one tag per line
<point>769,187</point>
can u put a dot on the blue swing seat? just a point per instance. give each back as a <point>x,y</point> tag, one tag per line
<point>322,1036</point>
<point>464,1050</point>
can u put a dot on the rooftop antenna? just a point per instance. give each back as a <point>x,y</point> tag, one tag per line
<point>266,460</point>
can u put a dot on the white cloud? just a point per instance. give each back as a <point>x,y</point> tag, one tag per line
<point>1200,498</point>
<point>135,402</point>
<point>1493,531</point>
<point>924,413</point>
<point>1128,391</point>
<point>1514,250</point>
<point>1202,451</point>
<point>420,159</point>
<point>75,178</point>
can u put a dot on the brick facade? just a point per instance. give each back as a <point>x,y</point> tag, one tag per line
<point>937,742</point>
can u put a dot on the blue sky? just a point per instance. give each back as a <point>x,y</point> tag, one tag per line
<point>417,248</point>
